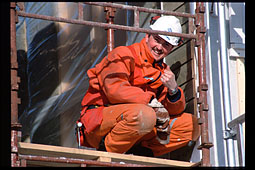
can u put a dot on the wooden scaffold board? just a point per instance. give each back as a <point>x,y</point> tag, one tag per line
<point>67,152</point>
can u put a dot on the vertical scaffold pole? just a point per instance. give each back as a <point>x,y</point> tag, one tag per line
<point>15,126</point>
<point>203,87</point>
<point>109,16</point>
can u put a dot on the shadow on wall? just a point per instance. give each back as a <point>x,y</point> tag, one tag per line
<point>56,82</point>
<point>23,88</point>
<point>41,76</point>
<point>176,68</point>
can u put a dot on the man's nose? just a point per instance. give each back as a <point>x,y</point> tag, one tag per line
<point>159,46</point>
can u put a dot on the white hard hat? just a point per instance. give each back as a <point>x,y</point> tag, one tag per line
<point>169,24</point>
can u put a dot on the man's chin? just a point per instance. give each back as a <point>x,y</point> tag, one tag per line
<point>158,58</point>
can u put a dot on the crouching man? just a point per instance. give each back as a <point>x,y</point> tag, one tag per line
<point>117,109</point>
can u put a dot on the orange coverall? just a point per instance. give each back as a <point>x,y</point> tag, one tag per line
<point>122,85</point>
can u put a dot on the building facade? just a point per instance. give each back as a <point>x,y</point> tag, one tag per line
<point>225,55</point>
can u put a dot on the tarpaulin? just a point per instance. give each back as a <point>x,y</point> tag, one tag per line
<point>56,58</point>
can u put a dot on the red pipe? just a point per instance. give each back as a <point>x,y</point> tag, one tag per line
<point>203,87</point>
<point>15,126</point>
<point>142,9</point>
<point>104,25</point>
<point>136,18</point>
<point>77,161</point>
<point>14,65</point>
<point>80,11</point>
<point>109,16</point>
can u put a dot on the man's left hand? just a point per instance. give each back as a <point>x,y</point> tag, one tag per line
<point>168,79</point>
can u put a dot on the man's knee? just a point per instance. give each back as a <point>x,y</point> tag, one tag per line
<point>143,117</point>
<point>182,127</point>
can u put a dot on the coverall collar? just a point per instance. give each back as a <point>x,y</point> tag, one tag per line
<point>146,54</point>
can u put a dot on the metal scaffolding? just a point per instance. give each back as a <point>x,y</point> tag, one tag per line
<point>110,9</point>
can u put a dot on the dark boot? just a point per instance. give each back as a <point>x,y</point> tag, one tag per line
<point>140,151</point>
<point>102,145</point>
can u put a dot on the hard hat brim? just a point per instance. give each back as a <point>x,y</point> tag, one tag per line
<point>166,37</point>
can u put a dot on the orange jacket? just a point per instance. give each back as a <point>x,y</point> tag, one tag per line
<point>126,75</point>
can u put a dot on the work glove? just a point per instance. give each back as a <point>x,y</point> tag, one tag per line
<point>162,124</point>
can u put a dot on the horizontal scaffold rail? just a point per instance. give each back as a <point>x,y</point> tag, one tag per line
<point>103,25</point>
<point>64,160</point>
<point>141,9</point>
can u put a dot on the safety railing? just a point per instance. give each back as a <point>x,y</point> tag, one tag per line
<point>235,132</point>
<point>198,36</point>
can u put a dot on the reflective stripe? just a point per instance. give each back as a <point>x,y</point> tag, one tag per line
<point>149,78</point>
<point>171,124</point>
<point>152,80</point>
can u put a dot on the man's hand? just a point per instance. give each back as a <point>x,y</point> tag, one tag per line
<point>162,125</point>
<point>168,79</point>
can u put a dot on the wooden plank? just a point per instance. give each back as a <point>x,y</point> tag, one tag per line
<point>189,96</point>
<point>48,150</point>
<point>187,89</point>
<point>104,159</point>
<point>190,107</point>
<point>185,73</point>
<point>179,55</point>
<point>182,64</point>
<point>240,69</point>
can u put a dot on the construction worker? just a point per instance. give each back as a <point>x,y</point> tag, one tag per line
<point>116,115</point>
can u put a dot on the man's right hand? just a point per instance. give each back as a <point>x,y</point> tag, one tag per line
<point>162,125</point>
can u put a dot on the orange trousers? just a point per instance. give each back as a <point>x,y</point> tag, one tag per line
<point>125,125</point>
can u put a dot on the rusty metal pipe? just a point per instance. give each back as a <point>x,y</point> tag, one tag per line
<point>110,40</point>
<point>136,18</point>
<point>203,107</point>
<point>14,65</point>
<point>80,11</point>
<point>104,25</point>
<point>141,9</point>
<point>109,16</point>
<point>15,126</point>
<point>77,161</point>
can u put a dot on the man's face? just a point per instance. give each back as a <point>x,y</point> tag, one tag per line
<point>158,47</point>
